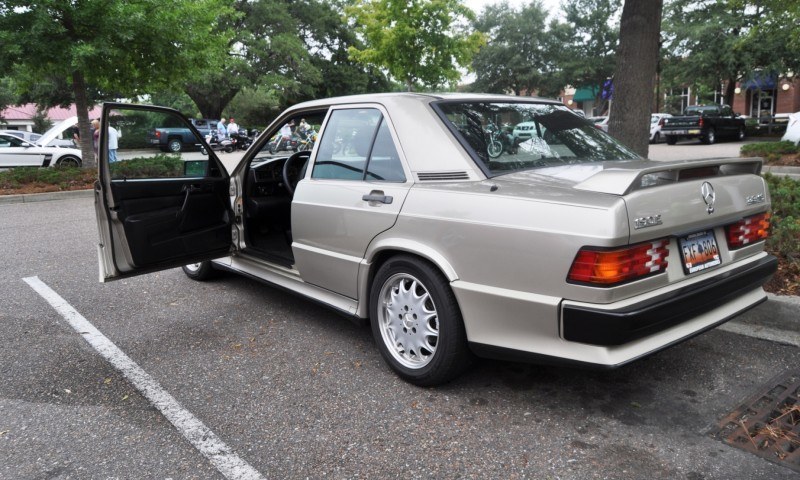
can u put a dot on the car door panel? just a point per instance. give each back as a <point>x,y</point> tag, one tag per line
<point>157,210</point>
<point>353,192</point>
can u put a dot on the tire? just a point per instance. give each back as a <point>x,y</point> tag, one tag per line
<point>710,138</point>
<point>204,151</point>
<point>228,149</point>
<point>69,161</point>
<point>494,149</point>
<point>174,145</point>
<point>740,136</point>
<point>672,139</point>
<point>200,271</point>
<point>416,322</point>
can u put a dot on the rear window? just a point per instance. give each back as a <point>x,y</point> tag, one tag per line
<point>509,137</point>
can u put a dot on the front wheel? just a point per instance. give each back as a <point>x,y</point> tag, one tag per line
<point>741,134</point>
<point>416,322</point>
<point>200,271</point>
<point>672,140</point>
<point>69,161</point>
<point>495,148</point>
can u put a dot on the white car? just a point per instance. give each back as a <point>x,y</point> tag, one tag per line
<point>655,126</point>
<point>792,129</point>
<point>16,152</point>
<point>33,137</point>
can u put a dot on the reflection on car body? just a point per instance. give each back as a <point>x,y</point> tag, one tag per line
<point>568,249</point>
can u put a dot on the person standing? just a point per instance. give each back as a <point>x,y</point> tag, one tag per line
<point>96,138</point>
<point>222,132</point>
<point>233,128</point>
<point>113,143</point>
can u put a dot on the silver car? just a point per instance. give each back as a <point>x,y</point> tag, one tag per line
<point>568,249</point>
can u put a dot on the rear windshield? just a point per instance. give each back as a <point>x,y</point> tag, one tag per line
<point>509,137</point>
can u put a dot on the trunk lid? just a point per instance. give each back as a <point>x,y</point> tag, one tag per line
<point>661,198</point>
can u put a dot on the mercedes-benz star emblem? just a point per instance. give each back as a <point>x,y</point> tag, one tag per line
<point>707,191</point>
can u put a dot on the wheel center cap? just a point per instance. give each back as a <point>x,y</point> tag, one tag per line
<point>408,320</point>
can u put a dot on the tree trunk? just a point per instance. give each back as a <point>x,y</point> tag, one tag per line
<point>730,91</point>
<point>82,108</point>
<point>634,80</point>
<point>210,102</point>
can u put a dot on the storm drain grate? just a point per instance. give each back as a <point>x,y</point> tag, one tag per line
<point>768,424</point>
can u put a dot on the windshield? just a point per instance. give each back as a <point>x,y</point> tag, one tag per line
<point>509,137</point>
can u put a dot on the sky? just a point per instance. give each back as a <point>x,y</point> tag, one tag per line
<point>552,6</point>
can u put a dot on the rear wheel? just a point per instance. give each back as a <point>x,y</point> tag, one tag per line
<point>174,145</point>
<point>672,140</point>
<point>200,271</point>
<point>710,137</point>
<point>416,322</point>
<point>741,134</point>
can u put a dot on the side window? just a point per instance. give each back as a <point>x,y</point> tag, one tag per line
<point>384,162</point>
<point>345,144</point>
<point>357,145</point>
<point>145,143</point>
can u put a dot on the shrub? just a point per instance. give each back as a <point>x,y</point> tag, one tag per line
<point>58,178</point>
<point>784,240</point>
<point>770,151</point>
<point>159,166</point>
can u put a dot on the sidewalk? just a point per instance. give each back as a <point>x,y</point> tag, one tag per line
<point>44,197</point>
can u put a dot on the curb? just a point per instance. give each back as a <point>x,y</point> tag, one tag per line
<point>44,197</point>
<point>779,312</point>
<point>791,172</point>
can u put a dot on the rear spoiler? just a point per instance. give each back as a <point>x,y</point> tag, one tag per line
<point>618,180</point>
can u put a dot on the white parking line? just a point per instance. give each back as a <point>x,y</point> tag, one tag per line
<point>201,437</point>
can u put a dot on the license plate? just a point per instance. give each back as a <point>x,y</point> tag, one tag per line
<point>699,251</point>
<point>676,132</point>
<point>694,132</point>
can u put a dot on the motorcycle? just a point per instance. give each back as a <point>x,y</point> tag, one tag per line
<point>280,142</point>
<point>307,140</point>
<point>500,141</point>
<point>217,144</point>
<point>241,140</point>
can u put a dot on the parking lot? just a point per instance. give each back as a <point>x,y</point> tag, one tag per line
<point>240,380</point>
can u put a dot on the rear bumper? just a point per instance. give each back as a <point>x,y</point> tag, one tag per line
<point>602,327</point>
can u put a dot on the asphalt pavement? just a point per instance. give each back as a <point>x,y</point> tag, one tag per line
<point>293,390</point>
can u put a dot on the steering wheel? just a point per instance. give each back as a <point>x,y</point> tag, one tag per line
<point>287,182</point>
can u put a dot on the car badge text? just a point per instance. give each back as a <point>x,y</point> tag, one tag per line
<point>648,221</point>
<point>707,191</point>
<point>753,199</point>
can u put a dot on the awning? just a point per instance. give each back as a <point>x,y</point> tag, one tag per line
<point>761,81</point>
<point>585,94</point>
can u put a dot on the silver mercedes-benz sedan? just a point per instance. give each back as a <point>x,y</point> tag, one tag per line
<point>423,215</point>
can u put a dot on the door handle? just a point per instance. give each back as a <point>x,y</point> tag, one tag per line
<point>377,196</point>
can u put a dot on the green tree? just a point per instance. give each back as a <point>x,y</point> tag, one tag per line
<point>590,41</point>
<point>114,46</point>
<point>716,43</point>
<point>515,56</point>
<point>417,41</point>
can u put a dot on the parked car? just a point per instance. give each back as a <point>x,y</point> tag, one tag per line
<point>572,250</point>
<point>706,122</point>
<point>600,122</point>
<point>171,138</point>
<point>16,152</point>
<point>792,129</point>
<point>656,122</point>
<point>32,137</point>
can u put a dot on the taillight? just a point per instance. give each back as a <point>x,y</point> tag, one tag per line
<point>158,133</point>
<point>748,231</point>
<point>606,268</point>
<point>700,122</point>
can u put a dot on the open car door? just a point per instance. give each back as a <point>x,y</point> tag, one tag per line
<point>157,208</point>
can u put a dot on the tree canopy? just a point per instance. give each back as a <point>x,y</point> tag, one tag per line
<point>417,41</point>
<point>112,46</point>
